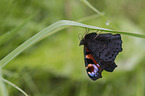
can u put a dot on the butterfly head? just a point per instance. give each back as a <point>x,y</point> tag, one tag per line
<point>82,42</point>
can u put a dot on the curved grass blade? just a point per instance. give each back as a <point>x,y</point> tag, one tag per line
<point>50,30</point>
<point>3,88</point>
<point>95,10</point>
<point>6,81</point>
<point>92,7</point>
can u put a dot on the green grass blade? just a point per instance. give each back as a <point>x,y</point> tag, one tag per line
<point>3,89</point>
<point>92,7</point>
<point>6,81</point>
<point>50,30</point>
<point>95,10</point>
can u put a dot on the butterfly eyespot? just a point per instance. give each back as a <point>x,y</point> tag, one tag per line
<point>90,69</point>
<point>93,71</point>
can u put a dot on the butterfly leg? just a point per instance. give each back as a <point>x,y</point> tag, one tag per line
<point>97,34</point>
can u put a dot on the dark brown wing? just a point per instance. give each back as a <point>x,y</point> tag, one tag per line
<point>104,49</point>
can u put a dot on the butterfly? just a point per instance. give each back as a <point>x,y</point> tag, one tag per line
<point>100,52</point>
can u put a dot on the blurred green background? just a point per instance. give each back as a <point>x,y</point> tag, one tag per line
<point>55,65</point>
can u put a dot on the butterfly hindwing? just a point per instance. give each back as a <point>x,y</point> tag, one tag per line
<point>92,67</point>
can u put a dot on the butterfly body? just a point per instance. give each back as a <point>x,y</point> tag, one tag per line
<point>100,52</point>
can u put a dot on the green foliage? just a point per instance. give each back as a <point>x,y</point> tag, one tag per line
<point>54,66</point>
